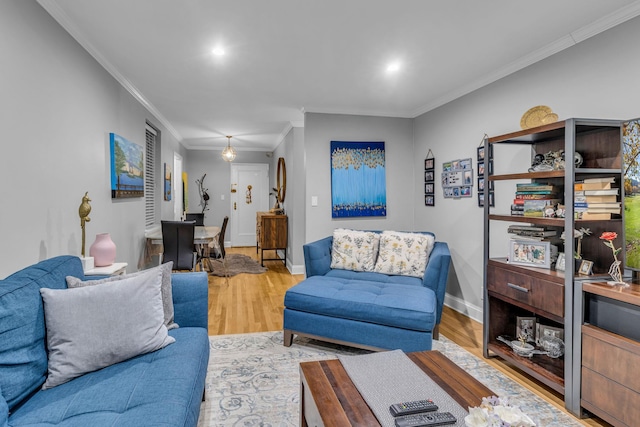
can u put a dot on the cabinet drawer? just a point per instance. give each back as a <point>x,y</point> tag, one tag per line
<point>538,293</point>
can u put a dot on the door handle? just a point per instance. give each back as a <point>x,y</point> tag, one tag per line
<point>517,288</point>
<point>235,206</point>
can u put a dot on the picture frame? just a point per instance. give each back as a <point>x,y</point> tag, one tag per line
<point>428,188</point>
<point>546,330</point>
<point>467,177</point>
<point>560,262</point>
<point>465,191</point>
<point>465,164</point>
<point>480,154</point>
<point>429,200</point>
<point>480,168</point>
<point>585,268</point>
<point>492,201</point>
<point>429,176</point>
<point>480,199</point>
<point>429,163</point>
<point>448,192</point>
<point>526,326</point>
<point>530,253</point>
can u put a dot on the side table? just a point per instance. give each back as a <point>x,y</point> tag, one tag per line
<point>115,269</point>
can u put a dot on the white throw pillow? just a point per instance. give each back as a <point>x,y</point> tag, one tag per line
<point>167,291</point>
<point>93,327</point>
<point>354,250</point>
<point>404,254</point>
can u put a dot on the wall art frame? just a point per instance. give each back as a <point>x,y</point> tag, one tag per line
<point>127,167</point>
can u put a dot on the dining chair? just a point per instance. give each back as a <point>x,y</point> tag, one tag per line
<point>197,217</point>
<point>177,241</point>
<point>220,252</point>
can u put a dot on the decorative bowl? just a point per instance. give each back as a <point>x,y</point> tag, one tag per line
<point>525,350</point>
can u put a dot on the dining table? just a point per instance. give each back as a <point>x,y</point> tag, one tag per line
<point>204,238</point>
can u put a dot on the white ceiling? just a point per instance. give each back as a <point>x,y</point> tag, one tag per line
<point>287,57</point>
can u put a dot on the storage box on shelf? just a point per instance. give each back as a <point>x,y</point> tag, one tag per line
<point>514,290</point>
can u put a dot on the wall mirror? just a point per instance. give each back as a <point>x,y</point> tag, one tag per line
<point>281,180</point>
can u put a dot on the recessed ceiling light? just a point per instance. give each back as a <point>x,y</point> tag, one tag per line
<point>393,67</point>
<point>218,51</point>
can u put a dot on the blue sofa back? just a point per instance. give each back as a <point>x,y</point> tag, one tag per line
<point>23,356</point>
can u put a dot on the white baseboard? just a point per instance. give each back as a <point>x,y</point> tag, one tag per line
<point>463,307</point>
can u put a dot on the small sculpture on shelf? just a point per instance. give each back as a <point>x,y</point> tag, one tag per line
<point>552,161</point>
<point>614,271</point>
<point>84,210</point>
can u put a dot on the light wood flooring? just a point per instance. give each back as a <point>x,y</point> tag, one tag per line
<point>254,303</point>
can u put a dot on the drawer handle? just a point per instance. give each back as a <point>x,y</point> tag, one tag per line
<point>517,288</point>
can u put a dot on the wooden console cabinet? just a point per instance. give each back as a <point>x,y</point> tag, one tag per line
<point>271,234</point>
<point>610,385</point>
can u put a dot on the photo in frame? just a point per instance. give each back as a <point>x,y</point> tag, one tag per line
<point>530,253</point>
<point>560,262</point>
<point>429,200</point>
<point>428,188</point>
<point>585,267</point>
<point>167,182</point>
<point>526,326</point>
<point>546,331</point>
<point>429,163</point>
<point>429,176</point>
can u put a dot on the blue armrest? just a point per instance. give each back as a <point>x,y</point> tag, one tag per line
<point>317,256</point>
<point>191,299</point>
<point>436,273</point>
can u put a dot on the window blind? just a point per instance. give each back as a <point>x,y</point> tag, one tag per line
<point>149,177</point>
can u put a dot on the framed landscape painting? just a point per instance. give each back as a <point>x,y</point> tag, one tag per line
<point>358,179</point>
<point>127,168</point>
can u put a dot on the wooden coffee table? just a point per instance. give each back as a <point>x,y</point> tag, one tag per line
<point>329,398</point>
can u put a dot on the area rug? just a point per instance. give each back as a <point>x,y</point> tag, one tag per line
<point>235,264</point>
<point>253,380</point>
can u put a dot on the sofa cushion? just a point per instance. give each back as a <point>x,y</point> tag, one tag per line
<point>374,277</point>
<point>391,304</point>
<point>354,250</point>
<point>92,327</point>
<point>23,358</point>
<point>167,295</point>
<point>155,389</point>
<point>404,253</point>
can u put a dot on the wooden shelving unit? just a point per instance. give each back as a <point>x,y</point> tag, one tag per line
<point>512,290</point>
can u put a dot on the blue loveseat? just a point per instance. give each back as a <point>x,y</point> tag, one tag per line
<point>366,309</point>
<point>164,387</point>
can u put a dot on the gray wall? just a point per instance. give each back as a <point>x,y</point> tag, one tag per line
<point>57,108</point>
<point>597,78</point>
<point>397,133</point>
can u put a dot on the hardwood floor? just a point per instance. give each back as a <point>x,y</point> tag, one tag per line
<point>254,303</point>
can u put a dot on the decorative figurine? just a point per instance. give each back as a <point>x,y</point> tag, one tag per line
<point>83,211</point>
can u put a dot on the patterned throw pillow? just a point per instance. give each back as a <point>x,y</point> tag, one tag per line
<point>404,254</point>
<point>354,250</point>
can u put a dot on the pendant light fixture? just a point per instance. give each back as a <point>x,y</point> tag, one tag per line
<point>229,153</point>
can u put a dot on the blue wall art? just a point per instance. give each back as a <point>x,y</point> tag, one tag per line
<point>358,179</point>
<point>127,168</point>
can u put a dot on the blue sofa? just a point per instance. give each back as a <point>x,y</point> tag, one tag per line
<point>164,387</point>
<point>366,309</point>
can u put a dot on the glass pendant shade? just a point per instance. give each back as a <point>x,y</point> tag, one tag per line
<point>229,153</point>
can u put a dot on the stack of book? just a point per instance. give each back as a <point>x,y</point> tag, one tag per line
<point>595,199</point>
<point>532,199</point>
<point>531,232</point>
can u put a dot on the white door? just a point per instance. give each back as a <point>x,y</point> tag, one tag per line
<point>251,185</point>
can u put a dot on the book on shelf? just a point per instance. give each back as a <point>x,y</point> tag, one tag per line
<point>602,192</point>
<point>533,186</point>
<point>595,216</point>
<point>525,227</point>
<point>602,199</point>
<point>601,180</point>
<point>592,205</point>
<point>533,196</point>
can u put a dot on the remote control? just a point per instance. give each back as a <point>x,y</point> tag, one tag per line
<point>407,408</point>
<point>426,419</point>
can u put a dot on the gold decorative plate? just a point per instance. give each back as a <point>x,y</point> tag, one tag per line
<point>536,116</point>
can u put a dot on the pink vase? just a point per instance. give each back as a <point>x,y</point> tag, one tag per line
<point>103,250</point>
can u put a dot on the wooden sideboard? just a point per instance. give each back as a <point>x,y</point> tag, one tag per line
<point>271,234</point>
<point>610,386</point>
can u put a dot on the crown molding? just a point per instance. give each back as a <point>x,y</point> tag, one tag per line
<point>62,18</point>
<point>600,25</point>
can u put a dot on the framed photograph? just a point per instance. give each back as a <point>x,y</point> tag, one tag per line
<point>530,253</point>
<point>428,188</point>
<point>429,200</point>
<point>560,262</point>
<point>465,191</point>
<point>456,192</point>
<point>550,331</point>
<point>429,163</point>
<point>480,168</point>
<point>447,166</point>
<point>585,267</point>
<point>429,176</point>
<point>526,326</point>
<point>481,199</point>
<point>492,201</point>
<point>448,192</point>
<point>465,164</point>
<point>467,177</point>
<point>481,153</point>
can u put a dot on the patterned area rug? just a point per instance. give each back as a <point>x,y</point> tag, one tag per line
<point>253,380</point>
<point>234,264</point>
